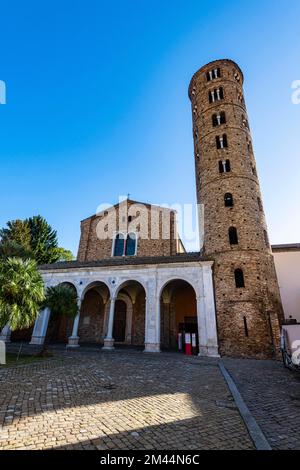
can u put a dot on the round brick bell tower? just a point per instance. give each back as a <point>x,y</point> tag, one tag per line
<point>248,304</point>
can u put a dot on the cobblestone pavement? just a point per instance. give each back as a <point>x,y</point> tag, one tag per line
<point>272,394</point>
<point>120,400</point>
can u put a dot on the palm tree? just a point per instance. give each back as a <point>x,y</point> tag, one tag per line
<point>62,301</point>
<point>21,293</point>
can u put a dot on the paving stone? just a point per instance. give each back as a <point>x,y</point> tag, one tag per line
<point>149,402</point>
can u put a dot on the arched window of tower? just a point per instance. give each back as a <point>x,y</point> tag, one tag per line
<point>233,236</point>
<point>213,74</point>
<point>216,95</point>
<point>254,172</point>
<point>228,199</point>
<point>224,166</point>
<point>222,141</point>
<point>239,278</point>
<point>266,238</point>
<point>259,204</point>
<point>219,119</point>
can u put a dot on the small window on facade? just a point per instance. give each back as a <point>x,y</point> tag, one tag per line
<point>254,172</point>
<point>213,74</point>
<point>221,141</point>
<point>266,238</point>
<point>245,122</point>
<point>228,199</point>
<point>233,236</point>
<point>125,246</point>
<point>219,119</point>
<point>239,278</point>
<point>259,204</point>
<point>119,245</point>
<point>224,166</point>
<point>246,327</point>
<point>216,95</point>
<point>130,218</point>
<point>130,244</point>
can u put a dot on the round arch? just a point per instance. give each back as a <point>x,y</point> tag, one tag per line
<point>178,312</point>
<point>93,307</point>
<point>133,293</point>
<point>169,280</point>
<point>60,327</point>
<point>127,282</point>
<point>99,285</point>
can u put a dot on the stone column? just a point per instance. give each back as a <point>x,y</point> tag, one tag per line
<point>5,334</point>
<point>108,340</point>
<point>40,327</point>
<point>74,339</point>
<point>208,336</point>
<point>152,324</point>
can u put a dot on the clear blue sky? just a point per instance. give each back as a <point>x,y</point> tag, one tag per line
<point>97,103</point>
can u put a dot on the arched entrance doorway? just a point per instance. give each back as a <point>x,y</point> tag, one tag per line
<point>94,303</point>
<point>178,313</point>
<point>119,331</point>
<point>129,314</point>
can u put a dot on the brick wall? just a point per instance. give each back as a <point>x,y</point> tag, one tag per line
<point>258,304</point>
<point>165,241</point>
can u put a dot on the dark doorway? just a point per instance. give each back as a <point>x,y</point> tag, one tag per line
<point>119,321</point>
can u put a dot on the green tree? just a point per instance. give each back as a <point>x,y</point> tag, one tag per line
<point>11,249</point>
<point>21,293</point>
<point>37,238</point>
<point>43,240</point>
<point>62,302</point>
<point>63,255</point>
<point>17,231</point>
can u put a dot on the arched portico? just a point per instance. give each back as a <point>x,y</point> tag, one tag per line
<point>178,312</point>
<point>126,319</point>
<point>46,319</point>
<point>143,288</point>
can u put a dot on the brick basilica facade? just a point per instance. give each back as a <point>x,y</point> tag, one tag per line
<point>142,290</point>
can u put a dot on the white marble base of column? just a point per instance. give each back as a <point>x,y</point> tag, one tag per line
<point>108,344</point>
<point>73,342</point>
<point>208,351</point>
<point>37,340</point>
<point>152,348</point>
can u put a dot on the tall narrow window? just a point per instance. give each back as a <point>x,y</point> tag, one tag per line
<point>239,278</point>
<point>228,200</point>
<point>216,95</point>
<point>224,166</point>
<point>125,245</point>
<point>266,238</point>
<point>119,245</point>
<point>259,203</point>
<point>130,244</point>
<point>213,74</point>
<point>227,166</point>
<point>233,236</point>
<point>221,141</point>
<point>254,172</point>
<point>219,119</point>
<point>246,327</point>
